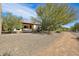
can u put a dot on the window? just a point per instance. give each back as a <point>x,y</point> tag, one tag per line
<point>30,26</point>
<point>25,26</point>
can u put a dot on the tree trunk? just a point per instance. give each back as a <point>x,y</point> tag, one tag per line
<point>0,18</point>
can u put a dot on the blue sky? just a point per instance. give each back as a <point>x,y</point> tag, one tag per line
<point>75,6</point>
<point>27,10</point>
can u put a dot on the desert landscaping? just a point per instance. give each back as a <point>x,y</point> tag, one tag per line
<point>46,29</point>
<point>25,44</point>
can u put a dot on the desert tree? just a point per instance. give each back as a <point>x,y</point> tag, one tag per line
<point>53,16</point>
<point>10,22</point>
<point>18,23</point>
<point>75,28</point>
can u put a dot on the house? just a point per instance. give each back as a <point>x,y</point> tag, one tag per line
<point>28,27</point>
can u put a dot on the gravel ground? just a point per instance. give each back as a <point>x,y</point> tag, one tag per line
<point>76,34</point>
<point>24,44</point>
<point>66,45</point>
<point>55,44</point>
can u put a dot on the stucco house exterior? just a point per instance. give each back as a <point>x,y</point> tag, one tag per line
<point>28,27</point>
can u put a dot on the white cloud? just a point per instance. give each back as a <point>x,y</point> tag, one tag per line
<point>19,10</point>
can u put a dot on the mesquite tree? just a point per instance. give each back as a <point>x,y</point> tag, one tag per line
<point>53,16</point>
<point>10,22</point>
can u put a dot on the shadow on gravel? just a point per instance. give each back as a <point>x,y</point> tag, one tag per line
<point>77,38</point>
<point>76,34</point>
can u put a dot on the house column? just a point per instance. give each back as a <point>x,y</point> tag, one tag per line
<point>28,26</point>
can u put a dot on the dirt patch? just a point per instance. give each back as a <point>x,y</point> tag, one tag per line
<point>39,44</point>
<point>65,45</point>
<point>25,43</point>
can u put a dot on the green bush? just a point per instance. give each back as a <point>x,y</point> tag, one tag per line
<point>10,22</point>
<point>58,31</point>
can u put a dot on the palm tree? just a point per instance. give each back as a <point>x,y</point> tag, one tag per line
<point>0,18</point>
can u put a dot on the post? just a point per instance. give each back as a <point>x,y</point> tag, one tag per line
<point>0,18</point>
